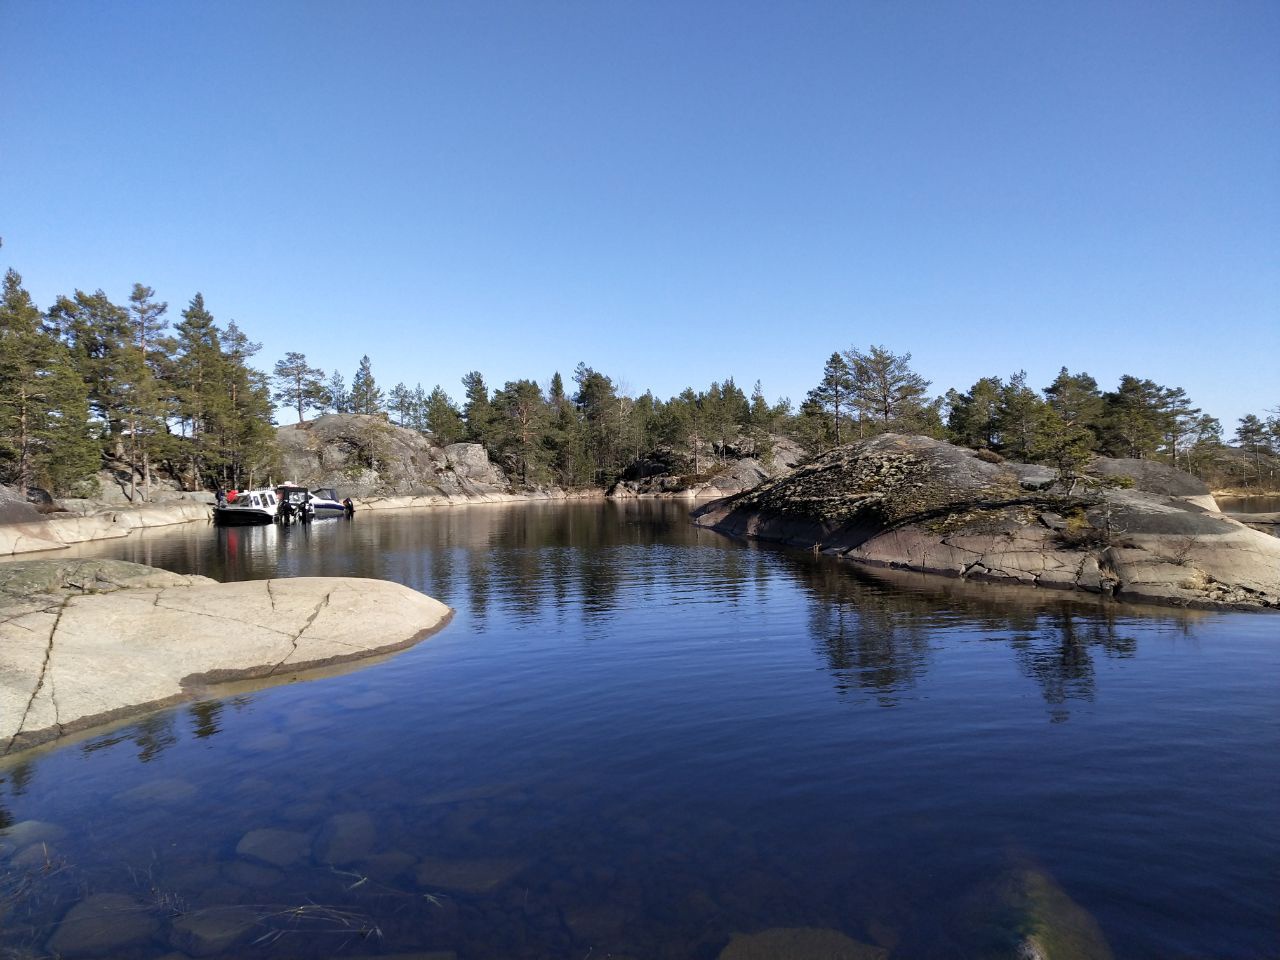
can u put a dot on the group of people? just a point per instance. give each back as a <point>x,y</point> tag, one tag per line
<point>303,511</point>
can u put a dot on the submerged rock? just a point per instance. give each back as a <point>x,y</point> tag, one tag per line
<point>467,876</point>
<point>278,848</point>
<point>204,933</point>
<point>799,943</point>
<point>921,504</point>
<point>346,838</point>
<point>27,832</point>
<point>101,925</point>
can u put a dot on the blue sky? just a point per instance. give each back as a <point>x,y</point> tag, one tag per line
<point>672,192</point>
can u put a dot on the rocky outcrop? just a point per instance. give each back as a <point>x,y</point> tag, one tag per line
<point>83,642</point>
<point>365,457</point>
<point>56,531</point>
<point>912,502</point>
<point>743,471</point>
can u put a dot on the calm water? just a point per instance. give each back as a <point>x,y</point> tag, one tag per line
<point>1249,504</point>
<point>637,738</point>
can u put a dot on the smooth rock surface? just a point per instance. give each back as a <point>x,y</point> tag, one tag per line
<point>59,531</point>
<point>70,659</point>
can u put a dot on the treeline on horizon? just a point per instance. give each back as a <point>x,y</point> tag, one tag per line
<point>88,383</point>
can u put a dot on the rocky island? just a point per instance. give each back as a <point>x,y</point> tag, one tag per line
<point>84,642</point>
<point>1132,529</point>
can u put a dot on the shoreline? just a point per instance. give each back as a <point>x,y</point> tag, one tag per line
<point>60,531</point>
<point>159,639</point>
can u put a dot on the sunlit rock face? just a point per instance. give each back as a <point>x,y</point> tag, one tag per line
<point>912,502</point>
<point>364,456</point>
<point>87,641</point>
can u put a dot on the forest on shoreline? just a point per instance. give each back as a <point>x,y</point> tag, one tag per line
<point>87,383</point>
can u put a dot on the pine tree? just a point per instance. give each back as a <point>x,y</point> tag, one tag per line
<point>834,394</point>
<point>400,403</point>
<point>973,417</point>
<point>1021,410</point>
<point>885,388</point>
<point>1251,435</point>
<point>1133,423</point>
<point>148,428</point>
<point>44,437</point>
<point>522,417</point>
<point>1075,397</point>
<point>299,385</point>
<point>337,398</point>
<point>443,419</point>
<point>477,412</point>
<point>365,396</point>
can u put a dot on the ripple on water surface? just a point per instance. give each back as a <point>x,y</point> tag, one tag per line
<point>638,738</point>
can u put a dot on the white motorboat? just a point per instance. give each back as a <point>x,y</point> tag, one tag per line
<point>321,503</point>
<point>245,507</point>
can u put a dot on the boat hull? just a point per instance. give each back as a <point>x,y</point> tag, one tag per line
<point>240,517</point>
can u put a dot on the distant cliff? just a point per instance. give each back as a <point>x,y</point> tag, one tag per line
<point>365,457</point>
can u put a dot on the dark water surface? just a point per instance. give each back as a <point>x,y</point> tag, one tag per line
<point>637,738</point>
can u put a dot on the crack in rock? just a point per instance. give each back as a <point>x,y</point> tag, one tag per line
<point>44,669</point>
<point>324,602</point>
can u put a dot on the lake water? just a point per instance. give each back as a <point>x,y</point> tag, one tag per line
<point>638,738</point>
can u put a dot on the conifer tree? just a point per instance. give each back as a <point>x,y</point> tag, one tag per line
<point>834,394</point>
<point>477,412</point>
<point>1019,416</point>
<point>973,417</point>
<point>148,428</point>
<point>299,385</point>
<point>521,417</point>
<point>336,397</point>
<point>44,438</point>
<point>365,397</point>
<point>443,419</point>
<point>885,388</point>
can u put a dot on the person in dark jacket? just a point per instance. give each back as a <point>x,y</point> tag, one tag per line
<point>348,506</point>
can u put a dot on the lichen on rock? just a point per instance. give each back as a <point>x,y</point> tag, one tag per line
<point>922,504</point>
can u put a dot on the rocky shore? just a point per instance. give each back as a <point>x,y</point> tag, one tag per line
<point>84,642</point>
<point>1131,529</point>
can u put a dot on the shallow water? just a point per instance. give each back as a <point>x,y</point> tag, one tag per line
<point>638,738</point>
<point>1249,504</point>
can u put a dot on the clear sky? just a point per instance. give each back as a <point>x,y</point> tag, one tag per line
<point>672,192</point>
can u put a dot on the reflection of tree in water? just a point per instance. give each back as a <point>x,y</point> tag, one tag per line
<point>869,646</point>
<point>152,735</point>
<point>205,718</point>
<point>16,779</point>
<point>1059,656</point>
<point>873,628</point>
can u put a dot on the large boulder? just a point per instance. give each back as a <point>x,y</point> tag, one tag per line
<point>363,456</point>
<point>921,504</point>
<point>85,642</point>
<point>744,470</point>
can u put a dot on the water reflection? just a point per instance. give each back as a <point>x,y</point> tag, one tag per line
<point>639,738</point>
